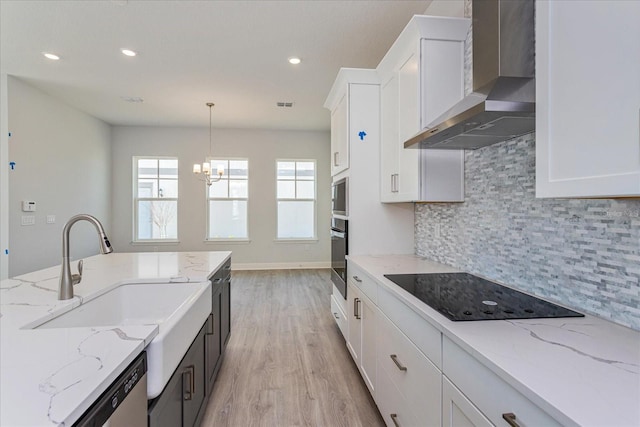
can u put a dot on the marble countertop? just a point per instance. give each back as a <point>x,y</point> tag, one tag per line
<point>583,371</point>
<point>49,377</point>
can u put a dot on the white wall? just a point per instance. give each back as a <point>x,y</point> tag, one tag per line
<point>63,159</point>
<point>191,145</point>
<point>454,8</point>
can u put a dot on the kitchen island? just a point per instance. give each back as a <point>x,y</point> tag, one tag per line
<point>49,377</point>
<point>563,371</point>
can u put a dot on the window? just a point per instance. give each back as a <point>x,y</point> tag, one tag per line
<point>228,199</point>
<point>296,194</point>
<point>155,196</point>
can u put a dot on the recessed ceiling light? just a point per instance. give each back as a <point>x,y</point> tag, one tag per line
<point>294,60</point>
<point>128,52</point>
<point>51,56</point>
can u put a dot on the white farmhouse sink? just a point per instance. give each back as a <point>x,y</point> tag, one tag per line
<point>179,310</point>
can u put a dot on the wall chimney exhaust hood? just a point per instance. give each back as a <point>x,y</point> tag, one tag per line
<point>502,104</point>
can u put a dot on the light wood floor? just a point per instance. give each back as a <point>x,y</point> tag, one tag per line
<point>286,363</point>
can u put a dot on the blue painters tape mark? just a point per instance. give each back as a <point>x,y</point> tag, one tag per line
<point>13,165</point>
<point>362,134</point>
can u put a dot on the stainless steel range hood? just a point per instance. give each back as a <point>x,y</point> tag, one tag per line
<point>502,104</point>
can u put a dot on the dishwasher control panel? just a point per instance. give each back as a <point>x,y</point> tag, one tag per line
<point>100,412</point>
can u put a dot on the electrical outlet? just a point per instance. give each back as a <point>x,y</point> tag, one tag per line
<point>51,219</point>
<point>28,220</point>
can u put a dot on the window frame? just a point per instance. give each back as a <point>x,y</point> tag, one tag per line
<point>314,238</point>
<point>137,199</point>
<point>210,199</point>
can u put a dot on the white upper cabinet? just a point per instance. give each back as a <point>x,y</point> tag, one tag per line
<point>345,115</point>
<point>339,136</point>
<point>587,99</point>
<point>422,75</point>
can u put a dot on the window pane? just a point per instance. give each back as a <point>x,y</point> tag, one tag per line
<point>286,170</point>
<point>147,168</point>
<point>147,188</point>
<point>238,189</point>
<point>306,189</point>
<point>239,169</point>
<point>305,170</point>
<point>157,220</point>
<point>295,219</point>
<point>215,164</point>
<point>219,189</point>
<point>227,219</point>
<point>168,188</point>
<point>169,168</point>
<point>286,190</point>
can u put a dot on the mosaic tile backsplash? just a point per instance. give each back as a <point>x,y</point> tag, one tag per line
<point>584,254</point>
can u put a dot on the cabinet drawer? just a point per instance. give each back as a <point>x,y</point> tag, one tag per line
<point>338,315</point>
<point>359,278</point>
<point>392,404</point>
<point>502,398</point>
<point>417,379</point>
<point>421,333</point>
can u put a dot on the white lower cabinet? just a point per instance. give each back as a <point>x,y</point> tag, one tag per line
<point>491,395</point>
<point>457,410</point>
<point>418,376</point>
<point>339,315</point>
<point>417,380</point>
<point>361,340</point>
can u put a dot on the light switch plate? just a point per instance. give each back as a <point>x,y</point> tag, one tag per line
<point>28,220</point>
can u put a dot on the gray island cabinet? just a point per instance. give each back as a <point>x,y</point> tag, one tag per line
<point>184,399</point>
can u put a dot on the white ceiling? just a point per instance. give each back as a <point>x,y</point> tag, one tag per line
<point>232,53</point>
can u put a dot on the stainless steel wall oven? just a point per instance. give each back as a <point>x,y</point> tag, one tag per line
<point>339,250</point>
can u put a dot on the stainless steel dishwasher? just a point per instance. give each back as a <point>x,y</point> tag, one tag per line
<point>124,403</point>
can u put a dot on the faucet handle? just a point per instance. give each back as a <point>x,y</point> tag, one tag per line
<point>77,278</point>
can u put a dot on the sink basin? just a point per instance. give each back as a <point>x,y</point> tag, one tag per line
<point>179,310</point>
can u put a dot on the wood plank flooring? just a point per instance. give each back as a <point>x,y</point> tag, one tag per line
<point>286,363</point>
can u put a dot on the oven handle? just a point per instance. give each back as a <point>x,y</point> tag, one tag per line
<point>337,233</point>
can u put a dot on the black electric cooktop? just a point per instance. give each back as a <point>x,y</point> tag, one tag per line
<point>462,296</point>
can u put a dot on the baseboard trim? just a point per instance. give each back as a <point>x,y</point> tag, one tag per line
<point>280,265</point>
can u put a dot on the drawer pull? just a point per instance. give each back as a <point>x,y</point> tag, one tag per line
<point>394,357</point>
<point>357,279</point>
<point>395,420</point>
<point>510,418</point>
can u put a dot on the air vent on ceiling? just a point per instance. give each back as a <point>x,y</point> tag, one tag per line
<point>284,104</point>
<point>134,99</point>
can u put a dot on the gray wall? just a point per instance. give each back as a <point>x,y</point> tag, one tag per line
<point>63,162</point>
<point>582,253</point>
<point>191,145</point>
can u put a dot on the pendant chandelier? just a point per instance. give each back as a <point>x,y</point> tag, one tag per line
<point>204,170</point>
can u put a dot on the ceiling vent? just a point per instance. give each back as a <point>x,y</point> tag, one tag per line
<point>284,104</point>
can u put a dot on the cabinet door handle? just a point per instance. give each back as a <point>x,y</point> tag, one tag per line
<point>394,357</point>
<point>212,331</point>
<point>335,159</point>
<point>356,311</point>
<point>190,391</point>
<point>357,279</point>
<point>394,418</point>
<point>510,418</point>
